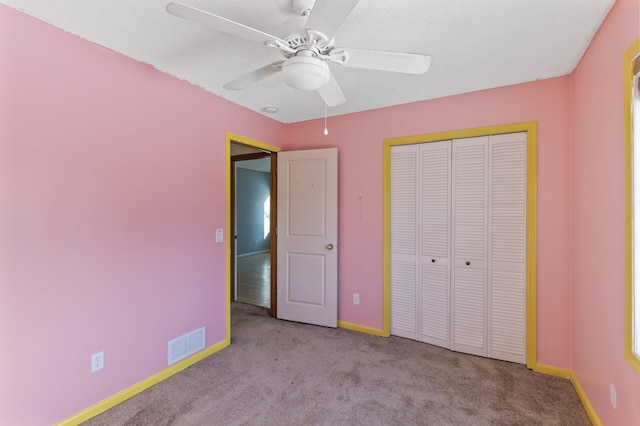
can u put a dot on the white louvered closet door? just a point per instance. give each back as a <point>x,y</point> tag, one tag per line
<point>507,247</point>
<point>434,232</point>
<point>458,244</point>
<point>469,245</point>
<point>404,169</point>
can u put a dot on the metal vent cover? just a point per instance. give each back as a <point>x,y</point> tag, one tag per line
<point>186,345</point>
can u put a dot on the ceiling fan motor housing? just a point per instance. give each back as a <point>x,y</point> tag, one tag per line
<point>305,72</point>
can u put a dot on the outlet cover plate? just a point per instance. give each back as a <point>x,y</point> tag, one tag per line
<point>97,361</point>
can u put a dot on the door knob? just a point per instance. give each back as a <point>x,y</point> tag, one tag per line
<point>468,263</point>
<point>329,246</point>
<point>433,260</point>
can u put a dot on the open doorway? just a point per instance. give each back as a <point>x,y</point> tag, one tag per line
<point>305,213</point>
<point>252,236</point>
<point>252,260</point>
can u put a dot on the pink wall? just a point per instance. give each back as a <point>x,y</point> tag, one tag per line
<point>112,185</point>
<point>359,139</point>
<point>112,182</point>
<point>599,220</point>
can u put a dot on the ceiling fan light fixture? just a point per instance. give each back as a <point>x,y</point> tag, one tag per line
<point>305,73</point>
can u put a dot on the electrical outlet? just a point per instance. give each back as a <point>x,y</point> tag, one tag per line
<point>612,395</point>
<point>97,361</point>
<point>356,299</point>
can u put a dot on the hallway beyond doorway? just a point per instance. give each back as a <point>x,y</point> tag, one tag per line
<point>254,279</point>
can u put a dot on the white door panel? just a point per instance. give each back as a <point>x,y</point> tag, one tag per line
<point>307,281</point>
<point>434,236</point>
<point>468,275</point>
<point>403,298</point>
<point>434,303</point>
<point>404,274</point>
<point>307,198</point>
<point>307,236</point>
<point>507,247</point>
<point>468,311</point>
<point>506,316</point>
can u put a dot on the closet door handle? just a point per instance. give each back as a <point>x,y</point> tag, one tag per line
<point>329,246</point>
<point>468,263</point>
<point>433,260</point>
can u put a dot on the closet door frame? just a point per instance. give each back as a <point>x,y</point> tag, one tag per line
<point>531,129</point>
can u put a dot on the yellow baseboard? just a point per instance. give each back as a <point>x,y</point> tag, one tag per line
<point>127,393</point>
<point>552,371</point>
<point>593,416</point>
<point>362,328</point>
<point>568,374</point>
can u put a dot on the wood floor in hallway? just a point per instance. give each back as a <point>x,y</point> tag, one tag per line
<point>254,279</point>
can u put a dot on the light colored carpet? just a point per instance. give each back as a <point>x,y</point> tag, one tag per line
<point>284,373</point>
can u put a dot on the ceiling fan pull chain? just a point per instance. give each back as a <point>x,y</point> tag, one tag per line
<point>326,131</point>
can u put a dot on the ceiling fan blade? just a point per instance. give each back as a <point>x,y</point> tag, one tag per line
<point>327,16</point>
<point>332,93</point>
<point>221,24</point>
<point>408,63</point>
<point>247,79</point>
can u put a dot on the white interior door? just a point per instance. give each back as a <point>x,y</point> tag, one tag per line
<point>308,236</point>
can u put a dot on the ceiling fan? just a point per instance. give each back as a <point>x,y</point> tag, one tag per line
<point>307,51</point>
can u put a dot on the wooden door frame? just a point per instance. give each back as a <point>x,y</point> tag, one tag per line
<point>273,310</point>
<point>232,235</point>
<point>268,150</point>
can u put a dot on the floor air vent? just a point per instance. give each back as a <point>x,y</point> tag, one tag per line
<point>185,345</point>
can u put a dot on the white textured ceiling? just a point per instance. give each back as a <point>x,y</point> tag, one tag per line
<point>475,45</point>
